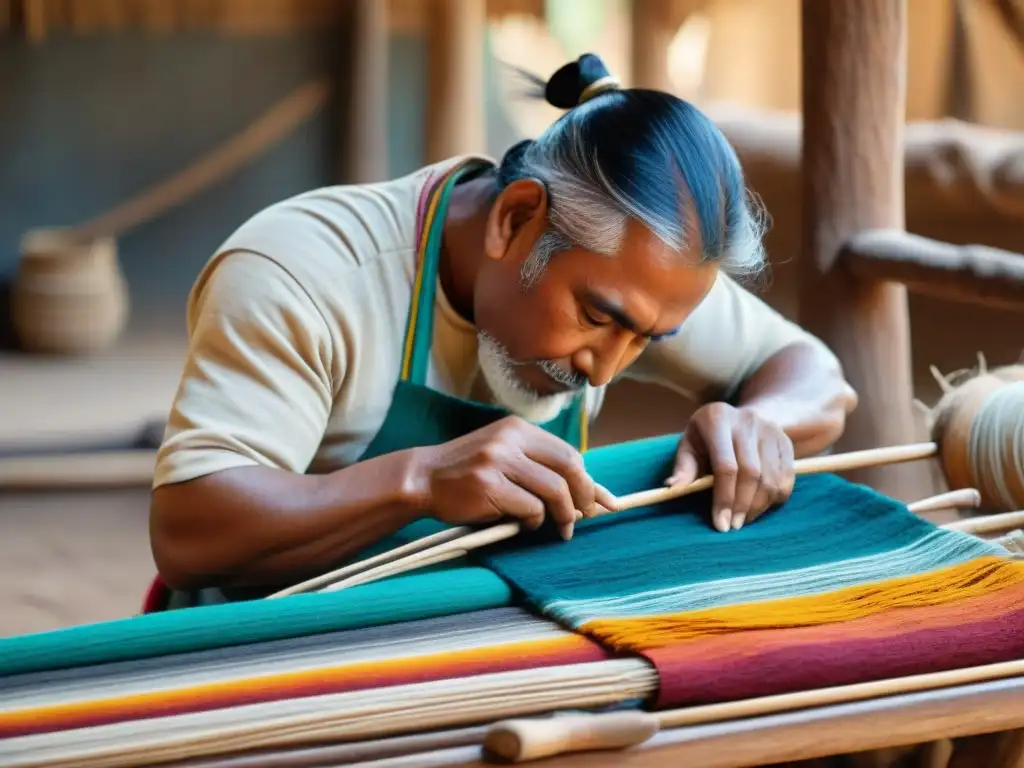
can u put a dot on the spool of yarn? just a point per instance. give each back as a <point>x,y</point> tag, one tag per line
<point>979,427</point>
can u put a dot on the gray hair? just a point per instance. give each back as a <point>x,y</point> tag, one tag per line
<point>647,156</point>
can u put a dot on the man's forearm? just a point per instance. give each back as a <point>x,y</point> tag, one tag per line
<point>263,526</point>
<point>804,392</point>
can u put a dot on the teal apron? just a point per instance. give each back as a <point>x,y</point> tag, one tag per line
<point>420,416</point>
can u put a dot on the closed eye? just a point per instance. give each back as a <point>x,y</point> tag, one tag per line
<point>592,319</point>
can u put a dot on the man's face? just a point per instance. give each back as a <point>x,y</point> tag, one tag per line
<point>589,316</point>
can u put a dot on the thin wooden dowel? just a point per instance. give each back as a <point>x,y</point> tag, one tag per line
<point>841,462</point>
<point>964,498</point>
<point>350,576</point>
<point>521,740</point>
<point>989,524</point>
<point>369,563</point>
<point>836,463</point>
<point>393,569</point>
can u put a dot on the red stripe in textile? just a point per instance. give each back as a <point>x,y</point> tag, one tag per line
<point>891,622</point>
<point>786,660</point>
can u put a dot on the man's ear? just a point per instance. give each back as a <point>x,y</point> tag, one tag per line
<point>517,218</point>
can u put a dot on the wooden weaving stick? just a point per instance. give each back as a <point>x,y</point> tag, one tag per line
<point>386,566</point>
<point>384,557</point>
<point>963,498</point>
<point>840,462</point>
<point>460,546</point>
<point>520,740</point>
<point>989,524</point>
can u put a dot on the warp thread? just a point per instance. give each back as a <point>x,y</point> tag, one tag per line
<point>974,578</point>
<point>933,551</point>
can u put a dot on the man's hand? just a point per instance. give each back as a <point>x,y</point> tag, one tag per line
<point>751,459</point>
<point>508,469</point>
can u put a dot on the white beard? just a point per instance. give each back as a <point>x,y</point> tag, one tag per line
<point>498,367</point>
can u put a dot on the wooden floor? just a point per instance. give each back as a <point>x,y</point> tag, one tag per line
<point>61,400</point>
<point>72,558</point>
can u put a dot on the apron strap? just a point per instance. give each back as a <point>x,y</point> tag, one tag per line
<point>420,326</point>
<point>579,410</point>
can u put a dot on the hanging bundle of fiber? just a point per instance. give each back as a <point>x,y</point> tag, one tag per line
<point>979,423</point>
<point>839,585</point>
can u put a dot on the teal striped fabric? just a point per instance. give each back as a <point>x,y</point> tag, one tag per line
<point>666,559</point>
<point>404,598</point>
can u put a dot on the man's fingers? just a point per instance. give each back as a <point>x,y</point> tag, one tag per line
<point>565,461</point>
<point>787,478</point>
<point>778,476</point>
<point>764,498</point>
<point>550,487</point>
<point>686,468</point>
<point>605,498</point>
<point>512,500</point>
<point>748,476</point>
<point>725,468</point>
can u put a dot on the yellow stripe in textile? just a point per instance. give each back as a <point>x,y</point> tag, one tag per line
<point>946,585</point>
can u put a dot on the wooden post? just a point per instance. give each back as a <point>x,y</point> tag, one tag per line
<point>34,18</point>
<point>854,90</point>
<point>455,93</point>
<point>651,35</point>
<point>367,156</point>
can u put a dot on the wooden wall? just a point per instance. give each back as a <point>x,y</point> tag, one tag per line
<point>36,19</point>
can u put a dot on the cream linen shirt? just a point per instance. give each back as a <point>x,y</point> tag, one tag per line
<point>296,326</point>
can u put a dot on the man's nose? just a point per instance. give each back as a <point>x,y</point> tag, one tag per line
<point>601,364</point>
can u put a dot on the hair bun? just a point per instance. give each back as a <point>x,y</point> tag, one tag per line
<point>575,82</point>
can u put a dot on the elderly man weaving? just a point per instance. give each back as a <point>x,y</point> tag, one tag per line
<point>433,347</point>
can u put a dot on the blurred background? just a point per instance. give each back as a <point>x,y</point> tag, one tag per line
<point>135,135</point>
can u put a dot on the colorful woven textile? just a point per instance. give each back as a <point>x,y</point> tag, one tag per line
<point>839,576</point>
<point>840,585</point>
<point>465,645</point>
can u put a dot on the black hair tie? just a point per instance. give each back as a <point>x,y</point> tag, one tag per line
<point>578,81</point>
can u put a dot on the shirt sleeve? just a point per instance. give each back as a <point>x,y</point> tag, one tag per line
<point>256,388</point>
<point>728,337</point>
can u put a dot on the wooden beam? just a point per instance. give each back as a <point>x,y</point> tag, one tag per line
<point>964,273</point>
<point>956,173</point>
<point>367,155</point>
<point>455,101</point>
<point>34,19</point>
<point>807,734</point>
<point>854,94</point>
